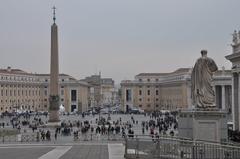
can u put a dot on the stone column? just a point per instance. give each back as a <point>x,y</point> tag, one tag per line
<point>223,98</point>
<point>233,103</point>
<point>235,94</point>
<point>228,95</point>
<point>214,89</point>
<point>216,96</point>
<point>189,100</point>
<point>237,107</point>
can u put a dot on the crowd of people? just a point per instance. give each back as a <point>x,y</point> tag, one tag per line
<point>152,124</point>
<point>161,122</point>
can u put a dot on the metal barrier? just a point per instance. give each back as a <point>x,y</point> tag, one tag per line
<point>11,138</point>
<point>28,137</point>
<point>18,138</point>
<point>173,148</point>
<point>36,137</point>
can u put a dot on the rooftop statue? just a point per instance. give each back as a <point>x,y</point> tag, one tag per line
<point>235,37</point>
<point>203,96</point>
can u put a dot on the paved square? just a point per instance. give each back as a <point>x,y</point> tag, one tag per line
<point>23,152</point>
<point>87,152</point>
<point>67,151</point>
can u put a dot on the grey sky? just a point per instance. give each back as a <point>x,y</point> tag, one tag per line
<point>119,37</point>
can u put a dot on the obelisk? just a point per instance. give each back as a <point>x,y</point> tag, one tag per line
<point>54,71</point>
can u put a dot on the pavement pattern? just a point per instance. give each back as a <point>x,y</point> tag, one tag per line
<point>64,151</point>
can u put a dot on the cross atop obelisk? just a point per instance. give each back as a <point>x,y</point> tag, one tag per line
<point>54,14</point>
<point>54,71</point>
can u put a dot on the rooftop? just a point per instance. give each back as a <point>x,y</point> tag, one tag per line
<point>180,70</point>
<point>9,70</point>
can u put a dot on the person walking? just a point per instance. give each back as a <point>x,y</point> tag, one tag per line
<point>55,135</point>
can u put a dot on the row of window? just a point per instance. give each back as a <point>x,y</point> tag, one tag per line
<point>140,99</point>
<point>148,86</point>
<point>62,99</point>
<point>47,86</point>
<point>23,107</point>
<point>149,80</point>
<point>23,78</point>
<point>18,78</point>
<point>23,100</point>
<point>148,92</point>
<point>20,92</point>
<point>166,78</point>
<point>18,86</point>
<point>46,80</point>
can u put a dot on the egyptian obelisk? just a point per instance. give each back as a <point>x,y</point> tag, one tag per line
<point>54,71</point>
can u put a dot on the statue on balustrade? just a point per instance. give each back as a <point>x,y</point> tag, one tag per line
<point>203,96</point>
<point>235,37</point>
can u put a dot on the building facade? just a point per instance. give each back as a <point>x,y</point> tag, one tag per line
<point>20,90</point>
<point>107,92</point>
<point>157,91</point>
<point>170,91</point>
<point>74,94</point>
<point>234,57</point>
<point>222,85</point>
<point>102,91</point>
<point>95,89</point>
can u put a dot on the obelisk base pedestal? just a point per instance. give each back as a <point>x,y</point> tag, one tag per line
<point>203,125</point>
<point>53,121</point>
<point>53,109</point>
<point>53,116</point>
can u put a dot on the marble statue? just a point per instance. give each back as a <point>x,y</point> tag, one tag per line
<point>235,37</point>
<point>203,96</point>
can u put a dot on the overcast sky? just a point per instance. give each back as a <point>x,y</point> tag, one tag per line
<point>120,38</point>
